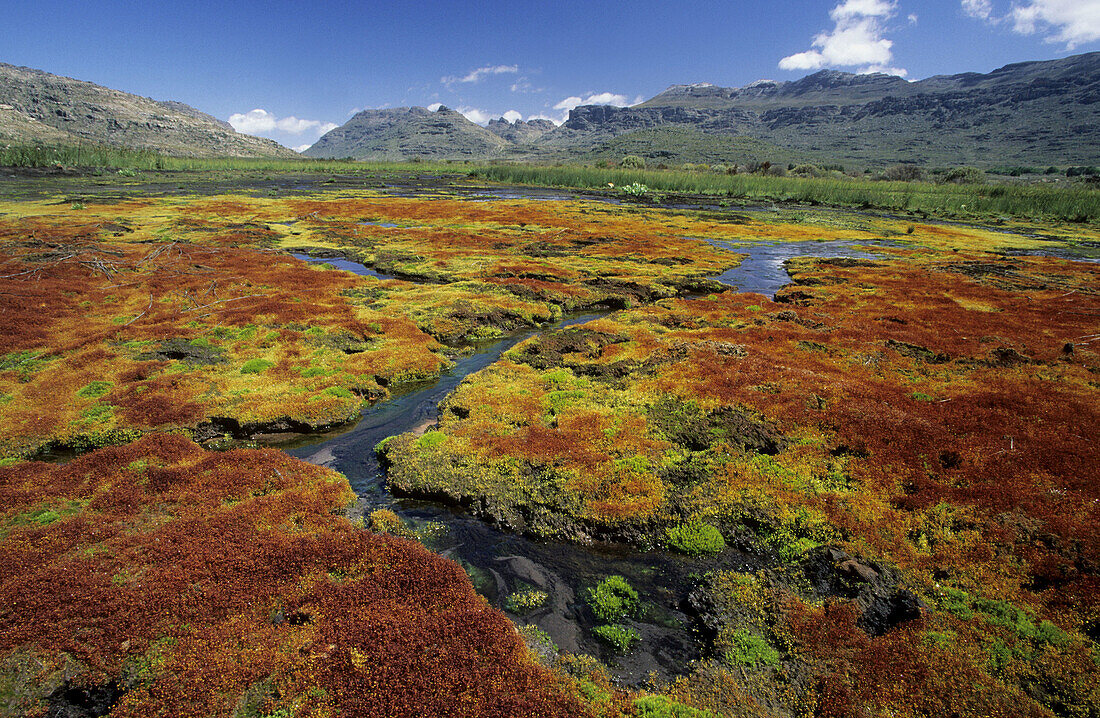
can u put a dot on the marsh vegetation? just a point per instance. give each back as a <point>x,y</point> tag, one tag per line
<point>876,486</point>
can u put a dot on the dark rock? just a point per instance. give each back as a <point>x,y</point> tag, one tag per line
<point>178,349</point>
<point>916,351</point>
<point>77,702</point>
<point>548,350</point>
<point>885,612</point>
<point>873,588</point>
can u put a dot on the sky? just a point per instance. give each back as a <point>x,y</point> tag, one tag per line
<point>291,71</point>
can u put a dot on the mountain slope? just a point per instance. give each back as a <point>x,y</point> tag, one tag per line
<point>407,132</point>
<point>1026,113</point>
<point>36,106</point>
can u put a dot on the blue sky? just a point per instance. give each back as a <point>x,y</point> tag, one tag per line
<point>291,70</point>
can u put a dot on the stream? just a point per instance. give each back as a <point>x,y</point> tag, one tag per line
<point>501,563</point>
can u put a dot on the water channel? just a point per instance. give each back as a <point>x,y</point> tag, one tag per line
<point>500,563</point>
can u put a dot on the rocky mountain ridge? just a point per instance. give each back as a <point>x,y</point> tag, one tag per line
<point>1034,113</point>
<point>36,106</point>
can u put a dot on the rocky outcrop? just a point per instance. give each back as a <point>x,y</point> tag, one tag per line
<point>36,106</point>
<point>520,132</point>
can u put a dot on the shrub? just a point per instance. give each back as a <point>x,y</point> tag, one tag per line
<point>903,173</point>
<point>964,175</point>
<point>612,599</point>
<point>695,539</point>
<point>633,162</point>
<point>621,638</point>
<point>806,171</point>
<point>635,190</point>
<point>256,366</point>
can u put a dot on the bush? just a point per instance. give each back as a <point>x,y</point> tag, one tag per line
<point>621,638</point>
<point>635,190</point>
<point>612,599</point>
<point>964,175</point>
<point>695,539</point>
<point>633,162</point>
<point>903,173</point>
<point>806,171</point>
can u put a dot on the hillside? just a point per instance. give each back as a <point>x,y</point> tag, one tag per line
<point>407,132</point>
<point>36,106</point>
<point>1038,113</point>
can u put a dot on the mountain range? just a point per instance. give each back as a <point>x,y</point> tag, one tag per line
<point>1035,113</point>
<point>1031,113</point>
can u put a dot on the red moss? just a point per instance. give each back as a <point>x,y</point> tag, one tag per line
<point>200,550</point>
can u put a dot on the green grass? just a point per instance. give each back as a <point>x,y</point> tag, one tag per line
<point>129,163</point>
<point>1076,204</point>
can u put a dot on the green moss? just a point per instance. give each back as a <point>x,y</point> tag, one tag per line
<point>749,649</point>
<point>612,599</point>
<point>431,440</point>
<point>313,371</point>
<point>42,514</point>
<point>24,363</point>
<point>621,638</point>
<point>99,412</point>
<point>256,366</point>
<point>695,539</point>
<point>664,707</point>
<point>522,602</point>
<point>340,392</point>
<point>94,390</point>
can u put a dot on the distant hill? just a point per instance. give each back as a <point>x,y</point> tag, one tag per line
<point>407,132</point>
<point>1035,113</point>
<point>36,106</point>
<point>1030,113</point>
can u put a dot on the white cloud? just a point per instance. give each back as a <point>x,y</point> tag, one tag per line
<point>523,85</point>
<point>601,98</point>
<point>1073,22</point>
<point>863,8</point>
<point>856,40</point>
<point>980,9</point>
<point>434,106</point>
<point>258,121</point>
<point>913,18</point>
<point>555,120</point>
<point>482,117</point>
<point>478,74</point>
<point>302,148</point>
<point>475,115</point>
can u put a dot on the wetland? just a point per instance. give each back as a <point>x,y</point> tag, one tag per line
<point>404,445</point>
